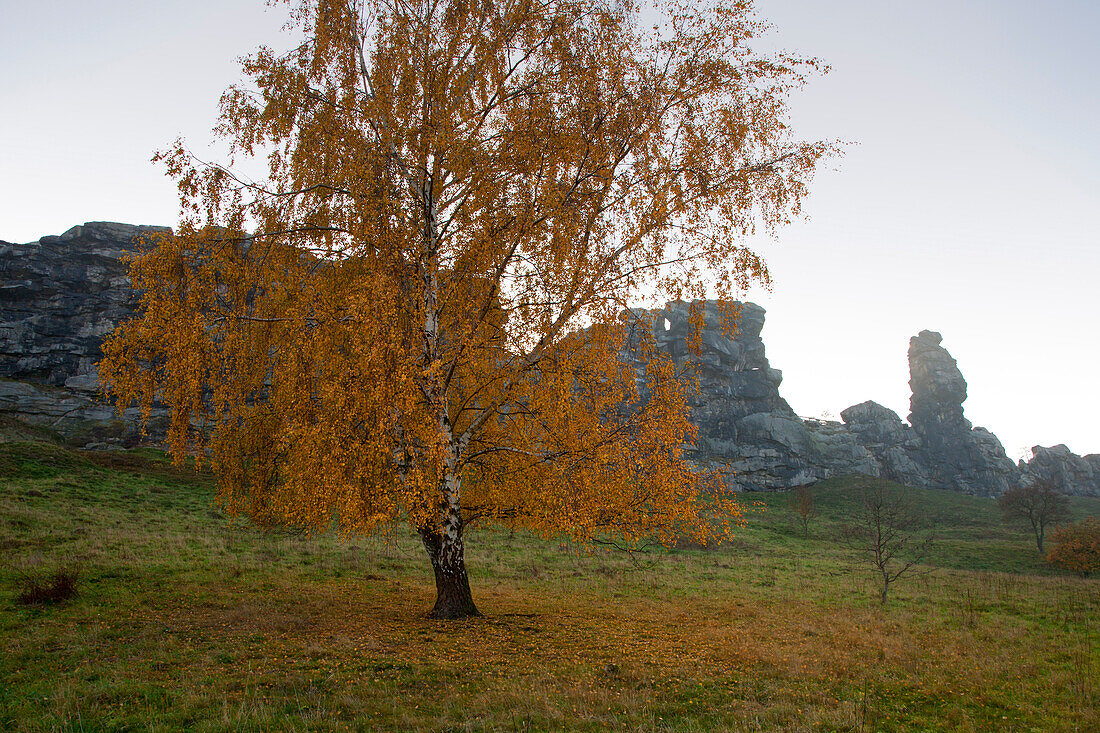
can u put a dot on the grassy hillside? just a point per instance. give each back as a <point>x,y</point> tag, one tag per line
<point>187,620</point>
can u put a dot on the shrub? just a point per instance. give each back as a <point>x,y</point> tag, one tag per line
<point>55,587</point>
<point>1076,547</point>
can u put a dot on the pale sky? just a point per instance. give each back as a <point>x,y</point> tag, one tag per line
<point>968,204</point>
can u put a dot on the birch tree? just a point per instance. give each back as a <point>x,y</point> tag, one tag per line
<point>419,312</point>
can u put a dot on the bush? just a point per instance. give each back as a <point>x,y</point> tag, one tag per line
<point>58,586</point>
<point>1076,547</point>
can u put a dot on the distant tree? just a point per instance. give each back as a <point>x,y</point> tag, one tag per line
<point>805,510</point>
<point>416,313</point>
<point>1076,547</point>
<point>885,532</point>
<point>1038,504</point>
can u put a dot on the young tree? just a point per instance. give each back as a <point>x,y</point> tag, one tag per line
<point>885,532</point>
<point>426,322</point>
<point>805,511</point>
<point>1038,504</point>
<point>1076,547</point>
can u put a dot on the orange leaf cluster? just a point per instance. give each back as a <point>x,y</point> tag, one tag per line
<point>1076,547</point>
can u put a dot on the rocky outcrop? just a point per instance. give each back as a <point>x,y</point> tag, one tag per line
<point>957,455</point>
<point>939,448</point>
<point>59,297</point>
<point>894,444</point>
<point>1063,469</point>
<point>743,423</point>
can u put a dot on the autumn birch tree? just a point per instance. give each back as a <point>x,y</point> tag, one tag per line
<point>417,313</point>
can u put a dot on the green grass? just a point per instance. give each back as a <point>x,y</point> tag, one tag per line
<point>186,620</point>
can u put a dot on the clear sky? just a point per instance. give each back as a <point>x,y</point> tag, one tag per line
<point>968,203</point>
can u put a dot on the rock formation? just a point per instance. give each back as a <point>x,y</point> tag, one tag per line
<point>894,444</point>
<point>745,423</point>
<point>742,420</point>
<point>61,295</point>
<point>1066,471</point>
<point>939,448</point>
<point>957,455</point>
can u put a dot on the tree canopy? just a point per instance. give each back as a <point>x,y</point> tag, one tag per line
<point>418,312</point>
<point>1038,503</point>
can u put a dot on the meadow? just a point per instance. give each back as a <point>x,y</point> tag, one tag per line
<point>185,619</point>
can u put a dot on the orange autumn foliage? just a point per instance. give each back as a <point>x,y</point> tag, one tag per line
<point>426,322</point>
<point>1076,547</point>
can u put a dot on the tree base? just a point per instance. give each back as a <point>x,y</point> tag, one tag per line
<point>452,586</point>
<point>452,609</point>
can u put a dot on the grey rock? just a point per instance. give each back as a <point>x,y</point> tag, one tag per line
<point>744,424</point>
<point>893,443</point>
<point>956,455</point>
<point>60,297</point>
<point>1066,471</point>
<point>939,448</point>
<point>875,424</point>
